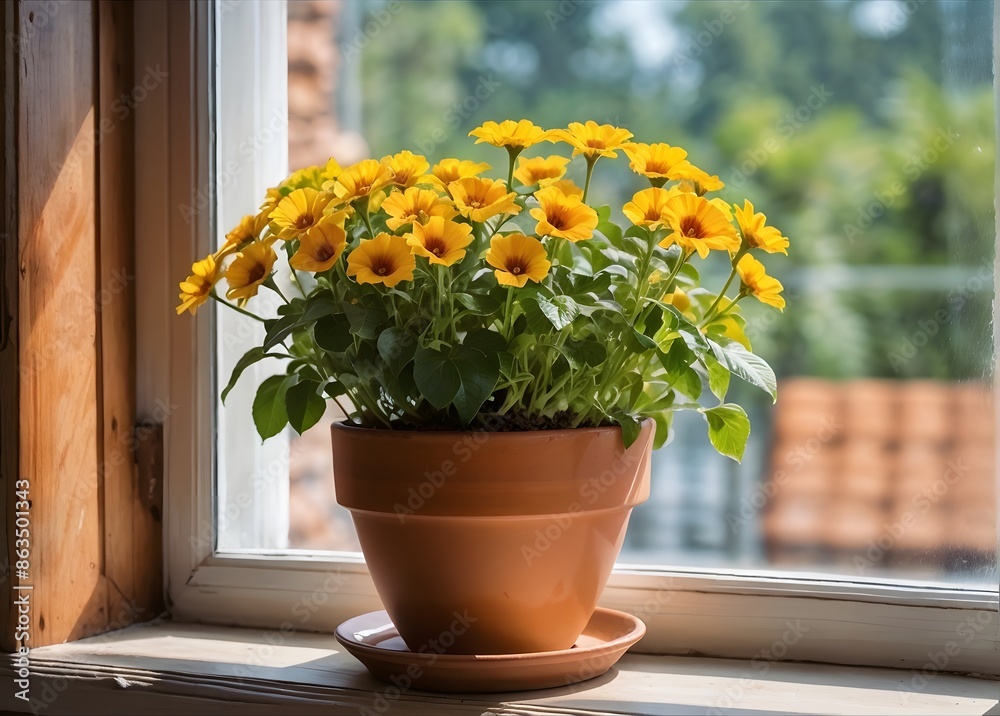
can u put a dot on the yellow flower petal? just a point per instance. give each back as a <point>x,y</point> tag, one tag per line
<point>537,169</point>
<point>440,241</point>
<point>321,246</point>
<point>386,259</point>
<point>517,259</point>
<point>415,205</point>
<point>756,282</point>
<point>755,231</point>
<point>592,139</point>
<point>563,216</point>
<point>516,135</point>
<point>361,180</point>
<point>251,268</point>
<point>298,212</point>
<point>479,199</point>
<point>196,289</point>
<point>698,225</point>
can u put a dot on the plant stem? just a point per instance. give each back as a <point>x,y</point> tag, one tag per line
<point>507,311</point>
<point>729,281</point>
<point>236,308</point>
<point>591,161</point>
<point>512,153</point>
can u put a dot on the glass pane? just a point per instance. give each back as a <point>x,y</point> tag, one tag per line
<point>865,130</point>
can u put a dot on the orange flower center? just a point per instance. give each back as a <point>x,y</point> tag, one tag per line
<point>436,246</point>
<point>324,253</point>
<point>382,270</point>
<point>691,227</point>
<point>557,218</point>
<point>304,221</point>
<point>596,144</point>
<point>516,270</point>
<point>256,273</point>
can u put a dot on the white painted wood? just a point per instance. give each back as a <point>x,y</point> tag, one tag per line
<point>152,668</point>
<point>252,478</point>
<point>687,612</point>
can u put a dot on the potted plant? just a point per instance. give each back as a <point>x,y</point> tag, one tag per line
<point>508,356</point>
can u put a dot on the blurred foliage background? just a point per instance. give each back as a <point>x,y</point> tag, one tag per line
<point>864,129</point>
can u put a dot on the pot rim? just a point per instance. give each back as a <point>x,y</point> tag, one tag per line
<point>349,427</point>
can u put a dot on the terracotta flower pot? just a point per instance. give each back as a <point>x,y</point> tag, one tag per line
<point>490,543</point>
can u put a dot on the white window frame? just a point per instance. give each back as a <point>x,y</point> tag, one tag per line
<point>718,613</point>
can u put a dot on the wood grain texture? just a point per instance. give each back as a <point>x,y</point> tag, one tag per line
<point>58,332</point>
<point>175,668</point>
<point>9,279</point>
<point>132,528</point>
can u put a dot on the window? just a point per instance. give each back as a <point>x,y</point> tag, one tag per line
<point>869,137</point>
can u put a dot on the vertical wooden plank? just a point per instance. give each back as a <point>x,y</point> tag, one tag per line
<point>132,545</point>
<point>59,401</point>
<point>9,427</point>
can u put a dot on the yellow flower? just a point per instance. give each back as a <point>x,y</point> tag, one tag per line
<point>517,258</point>
<point>678,299</point>
<point>592,139</point>
<point>479,199</point>
<point>448,170</point>
<point>695,180</point>
<point>250,269</point>
<point>757,234</point>
<point>198,286</point>
<point>312,177</point>
<point>514,135</point>
<point>566,186</point>
<point>385,259</point>
<point>248,229</point>
<point>532,171</point>
<point>298,212</point>
<point>698,225</point>
<point>648,207</point>
<point>407,168</point>
<point>654,161</point>
<point>564,216</point>
<point>415,205</point>
<point>757,283</point>
<point>440,241</point>
<point>361,180</point>
<point>271,200</point>
<point>322,245</point>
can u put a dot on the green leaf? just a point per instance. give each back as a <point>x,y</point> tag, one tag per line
<point>479,374</point>
<point>365,320</point>
<point>279,330</point>
<point>437,377</point>
<point>304,405</point>
<point>485,340</point>
<point>663,435</point>
<point>630,426</point>
<point>269,413</point>
<point>560,310</point>
<point>688,383</point>
<point>333,333</point>
<point>592,352</point>
<point>319,306</point>
<point>538,323</point>
<point>637,342</point>
<point>728,429</point>
<point>252,356</point>
<point>479,303</point>
<point>748,366</point>
<point>718,377</point>
<point>612,231</point>
<point>397,348</point>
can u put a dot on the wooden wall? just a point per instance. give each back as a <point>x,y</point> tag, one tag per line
<point>67,367</point>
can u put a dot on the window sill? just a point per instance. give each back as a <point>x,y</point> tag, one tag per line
<point>166,667</point>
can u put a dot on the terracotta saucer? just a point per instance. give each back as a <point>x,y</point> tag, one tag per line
<point>374,641</point>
